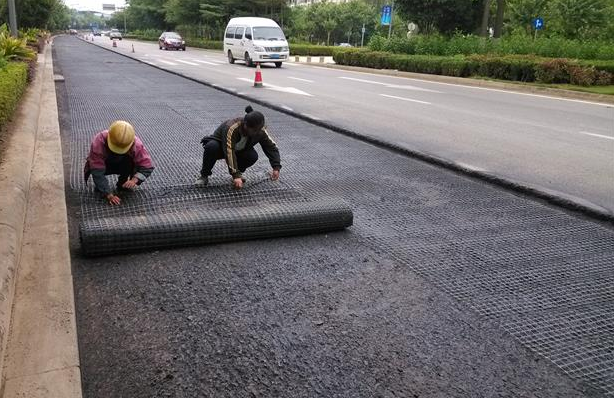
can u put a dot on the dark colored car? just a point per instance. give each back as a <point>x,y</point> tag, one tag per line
<point>171,40</point>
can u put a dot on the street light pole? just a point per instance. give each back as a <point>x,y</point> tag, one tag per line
<point>13,18</point>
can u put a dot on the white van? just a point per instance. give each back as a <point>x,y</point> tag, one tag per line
<point>255,40</point>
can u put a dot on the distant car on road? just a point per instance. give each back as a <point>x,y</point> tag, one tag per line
<point>171,40</point>
<point>345,45</point>
<point>104,32</point>
<point>73,32</point>
<point>96,32</point>
<point>115,34</point>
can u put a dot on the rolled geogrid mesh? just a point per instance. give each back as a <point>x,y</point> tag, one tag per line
<point>104,236</point>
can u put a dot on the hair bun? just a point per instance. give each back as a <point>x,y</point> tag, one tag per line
<point>249,109</point>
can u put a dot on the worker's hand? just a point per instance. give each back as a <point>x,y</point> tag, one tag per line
<point>114,200</point>
<point>131,183</point>
<point>237,183</point>
<point>275,175</point>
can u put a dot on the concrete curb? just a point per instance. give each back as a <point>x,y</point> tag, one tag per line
<point>41,355</point>
<point>311,59</point>
<point>466,81</point>
<point>559,199</point>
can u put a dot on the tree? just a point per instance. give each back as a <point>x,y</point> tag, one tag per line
<point>520,13</point>
<point>446,16</point>
<point>182,12</point>
<point>31,13</point>
<point>60,17</point>
<point>578,18</point>
<point>499,19</point>
<point>145,14</point>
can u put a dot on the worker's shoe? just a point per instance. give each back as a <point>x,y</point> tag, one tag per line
<point>202,181</point>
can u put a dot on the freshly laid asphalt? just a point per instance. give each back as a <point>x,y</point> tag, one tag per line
<point>444,287</point>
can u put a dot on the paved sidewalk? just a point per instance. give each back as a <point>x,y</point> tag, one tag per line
<point>41,358</point>
<point>445,286</point>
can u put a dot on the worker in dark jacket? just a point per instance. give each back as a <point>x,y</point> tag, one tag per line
<point>117,151</point>
<point>234,141</point>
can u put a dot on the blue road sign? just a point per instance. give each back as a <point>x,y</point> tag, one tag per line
<point>386,15</point>
<point>538,23</point>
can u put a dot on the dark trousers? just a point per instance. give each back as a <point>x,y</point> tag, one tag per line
<point>121,165</point>
<point>214,152</point>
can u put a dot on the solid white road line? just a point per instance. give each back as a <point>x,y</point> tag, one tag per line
<point>404,86</point>
<point>489,89</point>
<point>597,135</point>
<point>301,80</point>
<point>205,62</point>
<point>405,99</point>
<point>166,62</point>
<point>290,90</point>
<point>287,108</point>
<point>186,62</point>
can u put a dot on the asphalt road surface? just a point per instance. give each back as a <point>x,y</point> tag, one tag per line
<point>444,287</point>
<point>562,146</point>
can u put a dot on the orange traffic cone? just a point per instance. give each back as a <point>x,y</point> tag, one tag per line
<point>114,43</point>
<point>258,79</point>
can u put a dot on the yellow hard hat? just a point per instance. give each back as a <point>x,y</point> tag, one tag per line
<point>121,137</point>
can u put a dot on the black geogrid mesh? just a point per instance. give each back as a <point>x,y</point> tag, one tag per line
<point>547,276</point>
<point>168,210</point>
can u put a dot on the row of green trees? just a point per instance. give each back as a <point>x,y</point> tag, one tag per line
<point>45,14</point>
<point>326,22</point>
<point>577,19</point>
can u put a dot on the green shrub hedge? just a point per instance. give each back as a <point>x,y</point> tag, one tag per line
<point>508,67</point>
<point>310,50</point>
<point>208,44</point>
<point>13,81</point>
<point>511,45</point>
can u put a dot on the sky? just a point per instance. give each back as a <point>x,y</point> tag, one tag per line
<point>92,5</point>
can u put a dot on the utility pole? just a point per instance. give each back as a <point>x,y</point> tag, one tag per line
<point>13,18</point>
<point>391,18</point>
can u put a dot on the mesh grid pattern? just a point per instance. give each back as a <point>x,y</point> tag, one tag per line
<point>546,275</point>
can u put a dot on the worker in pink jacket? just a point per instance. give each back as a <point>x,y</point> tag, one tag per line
<point>117,151</point>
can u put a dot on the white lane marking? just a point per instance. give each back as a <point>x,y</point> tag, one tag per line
<point>166,62</point>
<point>405,86</point>
<point>186,62</point>
<point>287,108</point>
<point>273,87</point>
<point>301,80</point>
<point>149,62</point>
<point>205,62</point>
<point>405,99</point>
<point>597,135</point>
<point>489,89</point>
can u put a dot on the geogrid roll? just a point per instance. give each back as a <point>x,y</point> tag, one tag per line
<point>202,226</point>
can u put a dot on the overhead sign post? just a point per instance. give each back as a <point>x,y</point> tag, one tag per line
<point>538,24</point>
<point>386,15</point>
<point>387,12</point>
